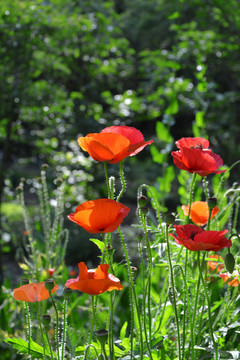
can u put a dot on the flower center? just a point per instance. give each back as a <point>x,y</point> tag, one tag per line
<point>192,235</point>
<point>198,146</point>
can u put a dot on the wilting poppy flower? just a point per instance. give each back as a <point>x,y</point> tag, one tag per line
<point>199,212</point>
<point>191,143</point>
<point>99,216</point>
<point>196,239</point>
<point>215,264</point>
<point>114,143</point>
<point>234,278</point>
<point>33,292</point>
<point>194,157</point>
<point>94,282</point>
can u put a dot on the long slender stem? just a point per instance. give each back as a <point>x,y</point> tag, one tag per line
<point>41,330</point>
<point>189,310</point>
<point>132,289</point>
<point>49,344</point>
<point>57,325</point>
<point>191,195</point>
<point>28,325</point>
<point>122,181</point>
<point>174,296</point>
<point>107,180</point>
<point>64,326</point>
<point>209,307</point>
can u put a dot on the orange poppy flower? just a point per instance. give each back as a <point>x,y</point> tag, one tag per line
<point>196,239</point>
<point>234,277</point>
<point>94,282</point>
<point>195,157</point>
<point>215,264</point>
<point>199,212</point>
<point>99,216</point>
<point>33,292</point>
<point>113,144</point>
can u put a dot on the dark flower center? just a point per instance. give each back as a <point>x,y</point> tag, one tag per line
<point>198,146</point>
<point>192,235</point>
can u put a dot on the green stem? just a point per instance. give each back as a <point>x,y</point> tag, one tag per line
<point>64,326</point>
<point>206,188</point>
<point>57,324</point>
<point>189,310</point>
<point>209,307</point>
<point>174,295</point>
<point>28,326</point>
<point>107,180</point>
<point>122,181</point>
<point>132,290</point>
<point>104,352</point>
<point>191,195</point>
<point>49,344</point>
<point>41,330</point>
<point>149,282</point>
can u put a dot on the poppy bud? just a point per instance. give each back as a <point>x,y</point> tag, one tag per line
<point>229,262</point>
<point>142,201</point>
<point>102,336</point>
<point>168,218</point>
<point>22,180</point>
<point>49,284</point>
<point>19,189</point>
<point>144,210</point>
<point>44,166</point>
<point>46,319</point>
<point>25,281</point>
<point>67,292</point>
<point>59,181</point>
<point>212,202</point>
<point>235,185</point>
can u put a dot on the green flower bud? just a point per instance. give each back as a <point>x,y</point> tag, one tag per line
<point>67,292</point>
<point>142,201</point>
<point>229,262</point>
<point>168,218</point>
<point>49,284</point>
<point>46,319</point>
<point>212,202</point>
<point>144,210</point>
<point>44,166</point>
<point>102,336</point>
<point>235,185</point>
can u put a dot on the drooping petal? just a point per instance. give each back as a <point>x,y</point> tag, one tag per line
<point>133,135</point>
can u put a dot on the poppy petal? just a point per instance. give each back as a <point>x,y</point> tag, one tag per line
<point>195,142</point>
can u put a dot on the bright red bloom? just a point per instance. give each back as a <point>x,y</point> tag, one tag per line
<point>99,216</point>
<point>191,143</point>
<point>94,282</point>
<point>199,212</point>
<point>33,292</point>
<point>195,157</point>
<point>114,143</point>
<point>196,239</point>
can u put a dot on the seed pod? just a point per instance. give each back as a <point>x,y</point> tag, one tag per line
<point>46,319</point>
<point>102,336</point>
<point>142,201</point>
<point>168,218</point>
<point>229,262</point>
<point>49,284</point>
<point>212,202</point>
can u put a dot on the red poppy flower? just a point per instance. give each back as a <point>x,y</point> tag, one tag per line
<point>33,292</point>
<point>113,144</point>
<point>94,282</point>
<point>50,272</point>
<point>195,142</point>
<point>195,157</point>
<point>234,278</point>
<point>99,216</point>
<point>196,239</point>
<point>199,212</point>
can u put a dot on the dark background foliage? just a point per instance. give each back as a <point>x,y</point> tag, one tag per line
<point>68,68</point>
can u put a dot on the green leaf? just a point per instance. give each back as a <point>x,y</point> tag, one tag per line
<point>123,330</point>
<point>163,133</point>
<point>99,244</point>
<point>22,347</point>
